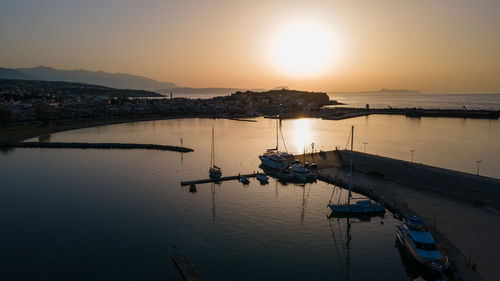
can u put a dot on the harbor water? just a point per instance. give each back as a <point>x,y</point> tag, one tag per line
<point>122,214</point>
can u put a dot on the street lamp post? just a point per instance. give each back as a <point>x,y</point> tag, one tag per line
<point>478,162</point>
<point>365,143</point>
<point>412,150</point>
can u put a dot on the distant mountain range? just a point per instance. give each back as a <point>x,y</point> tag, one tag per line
<point>62,88</point>
<point>113,80</point>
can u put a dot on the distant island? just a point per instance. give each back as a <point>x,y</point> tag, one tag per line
<point>393,91</point>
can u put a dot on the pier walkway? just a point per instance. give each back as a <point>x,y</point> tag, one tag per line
<point>339,113</point>
<point>462,209</point>
<point>221,179</point>
<point>186,267</point>
<point>85,145</point>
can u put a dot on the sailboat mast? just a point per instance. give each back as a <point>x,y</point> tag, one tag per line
<point>350,166</point>
<point>304,155</point>
<point>277,132</point>
<point>212,160</point>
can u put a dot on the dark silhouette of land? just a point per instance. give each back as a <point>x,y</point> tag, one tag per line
<point>113,80</point>
<point>35,88</point>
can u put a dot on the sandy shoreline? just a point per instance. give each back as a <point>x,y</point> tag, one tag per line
<point>24,132</point>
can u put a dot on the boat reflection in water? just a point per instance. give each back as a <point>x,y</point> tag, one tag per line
<point>343,240</point>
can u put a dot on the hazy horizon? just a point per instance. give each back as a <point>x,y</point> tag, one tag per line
<point>445,46</point>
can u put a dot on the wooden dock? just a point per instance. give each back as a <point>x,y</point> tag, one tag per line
<point>237,177</point>
<point>186,267</point>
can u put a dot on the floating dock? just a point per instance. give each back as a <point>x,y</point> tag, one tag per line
<point>186,267</point>
<point>237,177</point>
<point>85,145</point>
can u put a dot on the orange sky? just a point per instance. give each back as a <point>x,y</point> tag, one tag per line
<point>434,46</point>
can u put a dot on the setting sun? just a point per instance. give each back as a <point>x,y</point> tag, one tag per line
<point>303,48</point>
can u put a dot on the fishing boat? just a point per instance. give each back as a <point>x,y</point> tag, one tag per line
<point>214,171</point>
<point>412,233</point>
<point>262,178</point>
<point>274,158</point>
<point>244,180</point>
<point>361,206</point>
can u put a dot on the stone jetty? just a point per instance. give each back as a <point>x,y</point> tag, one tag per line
<point>86,145</point>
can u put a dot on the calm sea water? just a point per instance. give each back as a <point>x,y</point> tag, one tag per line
<point>433,101</point>
<point>122,214</point>
<point>401,100</point>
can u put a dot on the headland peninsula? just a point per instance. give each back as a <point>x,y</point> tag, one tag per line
<point>36,108</point>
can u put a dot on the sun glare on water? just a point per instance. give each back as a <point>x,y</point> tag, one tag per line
<point>302,49</point>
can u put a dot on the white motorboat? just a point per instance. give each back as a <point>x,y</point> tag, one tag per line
<point>274,158</point>
<point>413,234</point>
<point>361,206</point>
<point>295,173</point>
<point>301,173</point>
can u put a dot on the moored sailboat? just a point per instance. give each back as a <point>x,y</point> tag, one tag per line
<point>273,158</point>
<point>214,171</point>
<point>360,206</point>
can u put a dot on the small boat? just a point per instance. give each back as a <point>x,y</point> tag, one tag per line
<point>361,206</point>
<point>296,174</point>
<point>262,178</point>
<point>214,172</point>
<point>412,233</point>
<point>301,173</point>
<point>192,188</point>
<point>244,180</point>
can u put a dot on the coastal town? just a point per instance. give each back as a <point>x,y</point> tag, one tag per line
<point>21,106</point>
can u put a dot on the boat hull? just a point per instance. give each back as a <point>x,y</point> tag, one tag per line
<point>353,209</point>
<point>272,164</point>
<point>443,265</point>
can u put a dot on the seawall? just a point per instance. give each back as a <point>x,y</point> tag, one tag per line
<point>463,209</point>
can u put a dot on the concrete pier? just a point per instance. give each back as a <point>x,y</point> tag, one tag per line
<point>462,209</point>
<point>186,267</point>
<point>339,113</point>
<point>84,145</point>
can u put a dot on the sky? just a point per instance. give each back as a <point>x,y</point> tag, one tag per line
<point>432,46</point>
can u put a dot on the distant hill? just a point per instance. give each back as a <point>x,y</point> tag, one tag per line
<point>58,88</point>
<point>207,91</point>
<point>113,80</point>
<point>281,95</point>
<point>7,73</point>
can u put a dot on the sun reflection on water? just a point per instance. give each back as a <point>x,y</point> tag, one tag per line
<point>302,133</point>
